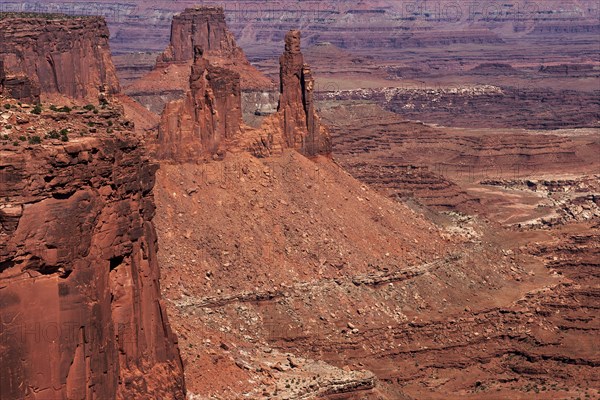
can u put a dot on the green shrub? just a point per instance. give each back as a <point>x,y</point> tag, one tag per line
<point>7,106</point>
<point>110,123</point>
<point>65,109</point>
<point>89,107</point>
<point>22,138</point>
<point>35,140</point>
<point>64,138</point>
<point>90,123</point>
<point>8,126</point>
<point>53,134</point>
<point>64,131</point>
<point>37,110</point>
<point>53,107</point>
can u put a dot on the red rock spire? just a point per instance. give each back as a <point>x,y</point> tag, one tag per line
<point>301,125</point>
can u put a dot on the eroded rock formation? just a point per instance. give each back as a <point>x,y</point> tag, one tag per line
<point>210,113</point>
<point>198,27</point>
<point>60,54</point>
<point>204,27</point>
<point>301,125</point>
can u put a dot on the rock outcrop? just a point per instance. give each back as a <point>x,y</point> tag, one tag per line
<point>81,315</point>
<point>301,125</point>
<point>62,55</point>
<point>18,87</point>
<point>210,113</point>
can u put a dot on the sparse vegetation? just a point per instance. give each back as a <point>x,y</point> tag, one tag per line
<point>53,134</point>
<point>89,107</point>
<point>22,138</point>
<point>7,106</point>
<point>35,140</point>
<point>8,126</point>
<point>37,110</point>
<point>65,109</point>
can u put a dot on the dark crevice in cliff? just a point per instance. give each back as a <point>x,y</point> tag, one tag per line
<point>64,195</point>
<point>115,262</point>
<point>4,265</point>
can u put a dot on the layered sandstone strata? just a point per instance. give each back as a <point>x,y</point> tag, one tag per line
<point>59,54</point>
<point>210,113</point>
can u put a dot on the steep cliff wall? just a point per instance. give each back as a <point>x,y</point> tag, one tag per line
<point>81,315</point>
<point>210,113</point>
<point>60,54</point>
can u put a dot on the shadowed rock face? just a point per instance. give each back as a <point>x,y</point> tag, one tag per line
<point>18,87</point>
<point>300,123</point>
<point>81,314</point>
<point>210,113</point>
<point>59,54</point>
<point>204,27</point>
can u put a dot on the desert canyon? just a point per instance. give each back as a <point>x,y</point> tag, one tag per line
<point>372,200</point>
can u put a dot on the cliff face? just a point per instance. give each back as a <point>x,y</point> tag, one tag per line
<point>210,113</point>
<point>300,123</point>
<point>81,314</point>
<point>80,309</point>
<point>60,54</point>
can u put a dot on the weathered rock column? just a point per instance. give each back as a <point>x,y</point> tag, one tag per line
<point>300,123</point>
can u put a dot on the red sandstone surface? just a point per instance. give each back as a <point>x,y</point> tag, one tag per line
<point>415,215</point>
